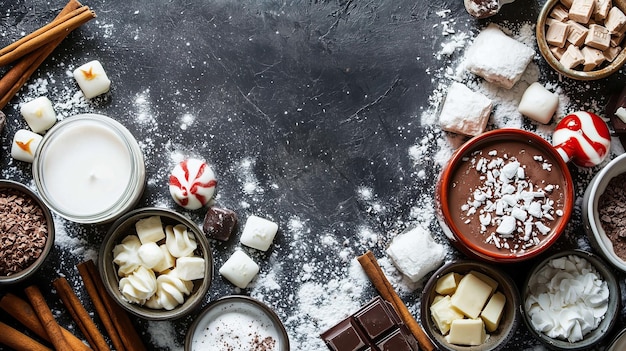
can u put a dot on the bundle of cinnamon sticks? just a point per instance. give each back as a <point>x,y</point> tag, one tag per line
<point>29,52</point>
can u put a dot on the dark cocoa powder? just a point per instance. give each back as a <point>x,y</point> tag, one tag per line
<point>612,211</point>
<point>23,231</point>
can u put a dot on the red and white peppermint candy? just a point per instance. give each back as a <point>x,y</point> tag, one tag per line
<point>192,184</point>
<point>582,137</point>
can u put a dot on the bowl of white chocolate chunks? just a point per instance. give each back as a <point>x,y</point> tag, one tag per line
<point>156,263</point>
<point>469,305</point>
<point>583,39</point>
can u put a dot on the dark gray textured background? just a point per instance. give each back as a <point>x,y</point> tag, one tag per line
<point>324,96</point>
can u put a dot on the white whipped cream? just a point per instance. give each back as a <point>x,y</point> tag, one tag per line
<point>567,298</point>
<point>179,241</point>
<point>139,286</point>
<point>126,255</point>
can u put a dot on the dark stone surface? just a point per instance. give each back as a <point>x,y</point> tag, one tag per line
<point>320,97</point>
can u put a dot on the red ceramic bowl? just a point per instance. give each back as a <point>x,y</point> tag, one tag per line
<point>493,242</point>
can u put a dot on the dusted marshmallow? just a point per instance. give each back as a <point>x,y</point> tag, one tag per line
<point>538,103</point>
<point>92,79</point>
<point>415,253</point>
<point>150,229</point>
<point>239,269</point>
<point>258,233</point>
<point>25,144</point>
<point>39,114</point>
<point>498,58</point>
<point>190,268</point>
<point>464,111</point>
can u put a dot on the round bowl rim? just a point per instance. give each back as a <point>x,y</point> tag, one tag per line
<point>105,268</point>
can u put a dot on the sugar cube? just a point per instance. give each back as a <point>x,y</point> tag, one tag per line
<point>150,229</point>
<point>538,103</point>
<point>239,269</point>
<point>258,233</point>
<point>25,144</point>
<point>92,79</point>
<point>39,114</point>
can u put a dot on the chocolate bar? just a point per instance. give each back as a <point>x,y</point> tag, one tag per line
<point>375,327</point>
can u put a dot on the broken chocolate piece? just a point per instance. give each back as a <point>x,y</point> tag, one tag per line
<point>219,223</point>
<point>484,8</point>
<point>376,326</point>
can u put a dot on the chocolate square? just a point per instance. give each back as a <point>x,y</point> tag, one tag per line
<point>376,319</point>
<point>219,223</point>
<point>398,340</point>
<point>345,336</point>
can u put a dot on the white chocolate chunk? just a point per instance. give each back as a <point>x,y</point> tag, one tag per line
<point>443,314</point>
<point>601,9</point>
<point>39,114</point>
<point>621,113</point>
<point>581,10</point>
<point>239,269</point>
<point>179,241</point>
<point>447,284</point>
<point>190,268</point>
<point>572,57</point>
<point>464,111</point>
<point>487,279</point>
<point>593,58</point>
<point>150,229</point>
<point>471,295</point>
<point>557,34</point>
<point>492,313</point>
<point>415,253</point>
<point>258,233</point>
<point>498,58</point>
<point>150,255</point>
<point>538,103</point>
<point>469,332</point>
<point>576,33</point>
<point>25,144</point>
<point>168,260</point>
<point>92,79</point>
<point>559,12</point>
<point>615,21</point>
<point>126,255</point>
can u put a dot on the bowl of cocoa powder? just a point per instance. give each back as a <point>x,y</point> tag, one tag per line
<point>26,232</point>
<point>604,212</point>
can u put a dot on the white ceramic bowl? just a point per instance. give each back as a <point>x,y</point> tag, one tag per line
<point>591,218</point>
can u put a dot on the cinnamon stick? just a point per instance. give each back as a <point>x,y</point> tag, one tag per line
<point>17,76</point>
<point>80,315</point>
<point>122,323</point>
<point>23,313</point>
<point>15,339</point>
<point>387,292</point>
<point>46,318</point>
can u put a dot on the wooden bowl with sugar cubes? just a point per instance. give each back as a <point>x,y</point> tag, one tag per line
<point>156,263</point>
<point>583,39</point>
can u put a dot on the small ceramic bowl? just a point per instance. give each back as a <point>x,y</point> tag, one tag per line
<point>606,324</point>
<point>8,185</point>
<point>603,71</point>
<point>459,178</point>
<point>510,318</point>
<point>124,226</point>
<point>237,323</point>
<point>591,217</point>
<point>618,343</point>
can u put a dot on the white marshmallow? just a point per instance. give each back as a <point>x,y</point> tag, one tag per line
<point>150,229</point>
<point>415,253</point>
<point>39,114</point>
<point>258,233</point>
<point>464,111</point>
<point>538,103</point>
<point>150,255</point>
<point>239,269</point>
<point>92,79</point>
<point>190,268</point>
<point>25,144</point>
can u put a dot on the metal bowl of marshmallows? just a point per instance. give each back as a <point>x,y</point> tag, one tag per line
<point>570,300</point>
<point>156,263</point>
<point>582,44</point>
<point>470,306</point>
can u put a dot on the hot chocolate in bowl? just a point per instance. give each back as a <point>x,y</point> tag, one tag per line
<point>505,196</point>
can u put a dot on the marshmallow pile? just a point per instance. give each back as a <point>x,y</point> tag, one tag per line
<point>567,298</point>
<point>508,204</point>
<point>158,265</point>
